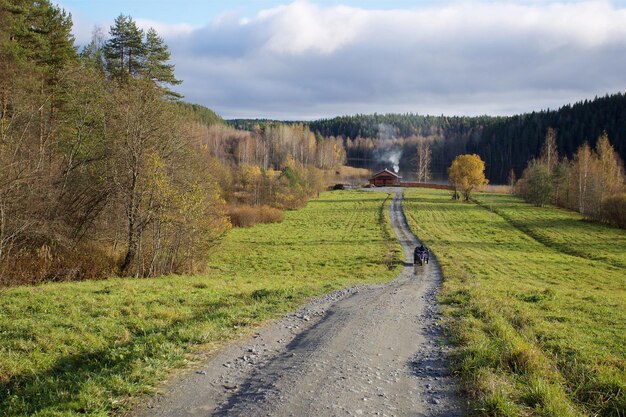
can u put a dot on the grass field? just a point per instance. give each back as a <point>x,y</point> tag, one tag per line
<point>562,230</point>
<point>536,299</point>
<point>92,347</point>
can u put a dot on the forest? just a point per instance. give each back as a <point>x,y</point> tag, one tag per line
<point>509,143</point>
<point>504,143</point>
<point>105,170</point>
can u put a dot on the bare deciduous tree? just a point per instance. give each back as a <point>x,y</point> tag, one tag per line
<point>424,156</point>
<point>549,153</point>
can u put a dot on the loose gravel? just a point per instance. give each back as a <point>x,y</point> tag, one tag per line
<point>374,350</point>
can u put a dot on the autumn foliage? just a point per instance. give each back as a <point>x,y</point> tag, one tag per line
<point>592,183</point>
<point>466,174</point>
<point>245,215</point>
<point>103,171</point>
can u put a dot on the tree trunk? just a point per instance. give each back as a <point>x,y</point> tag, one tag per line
<point>133,232</point>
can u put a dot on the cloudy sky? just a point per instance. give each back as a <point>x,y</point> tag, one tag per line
<point>308,59</point>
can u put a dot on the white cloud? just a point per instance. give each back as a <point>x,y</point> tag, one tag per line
<point>302,60</point>
<point>166,30</point>
<point>302,27</point>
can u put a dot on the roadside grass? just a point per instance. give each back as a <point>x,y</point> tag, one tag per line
<point>563,230</point>
<point>540,332</point>
<point>91,348</point>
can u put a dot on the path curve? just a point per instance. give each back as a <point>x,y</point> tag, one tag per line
<point>365,350</point>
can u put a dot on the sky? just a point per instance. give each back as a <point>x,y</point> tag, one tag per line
<point>309,59</point>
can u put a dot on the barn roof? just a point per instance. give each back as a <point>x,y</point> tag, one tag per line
<point>386,171</point>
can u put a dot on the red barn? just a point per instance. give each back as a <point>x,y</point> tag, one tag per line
<point>385,178</point>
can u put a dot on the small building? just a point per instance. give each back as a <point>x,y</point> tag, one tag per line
<point>385,178</point>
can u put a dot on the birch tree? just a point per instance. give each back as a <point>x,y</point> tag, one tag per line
<point>611,167</point>
<point>424,156</point>
<point>467,173</point>
<point>549,153</point>
<point>584,162</point>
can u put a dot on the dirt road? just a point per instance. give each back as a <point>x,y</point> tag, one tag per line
<point>367,350</point>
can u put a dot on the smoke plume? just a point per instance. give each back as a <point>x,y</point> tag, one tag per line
<point>393,156</point>
<point>388,152</point>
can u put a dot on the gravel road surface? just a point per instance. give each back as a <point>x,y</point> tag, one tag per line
<point>367,350</point>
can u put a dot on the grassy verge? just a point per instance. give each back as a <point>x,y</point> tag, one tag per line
<point>563,230</point>
<point>91,347</point>
<point>540,329</point>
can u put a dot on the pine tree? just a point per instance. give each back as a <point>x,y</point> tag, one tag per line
<point>57,51</point>
<point>39,35</point>
<point>39,47</point>
<point>125,51</point>
<point>11,55</point>
<point>156,66</point>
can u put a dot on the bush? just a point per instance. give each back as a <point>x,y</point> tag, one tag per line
<point>614,209</point>
<point>246,216</point>
<point>48,263</point>
<point>535,185</point>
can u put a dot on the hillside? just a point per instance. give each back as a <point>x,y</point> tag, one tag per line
<point>504,143</point>
<point>104,170</point>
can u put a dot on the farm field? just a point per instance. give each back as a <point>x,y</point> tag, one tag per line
<point>536,301</point>
<point>91,347</point>
<point>562,230</point>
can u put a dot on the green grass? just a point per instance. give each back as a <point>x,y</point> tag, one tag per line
<point>563,230</point>
<point>540,328</point>
<point>94,347</point>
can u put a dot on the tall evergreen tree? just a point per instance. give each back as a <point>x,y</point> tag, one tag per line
<point>156,66</point>
<point>125,51</point>
<point>40,46</point>
<point>11,53</point>
<point>57,51</point>
<point>38,34</point>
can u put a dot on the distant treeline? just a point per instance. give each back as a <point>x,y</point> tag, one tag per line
<point>504,143</point>
<point>509,143</point>
<point>200,114</point>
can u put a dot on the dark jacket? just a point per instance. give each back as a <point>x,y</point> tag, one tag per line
<point>419,250</point>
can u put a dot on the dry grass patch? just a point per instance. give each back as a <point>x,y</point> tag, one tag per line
<point>246,216</point>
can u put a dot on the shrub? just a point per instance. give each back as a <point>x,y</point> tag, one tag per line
<point>53,263</point>
<point>536,183</point>
<point>614,209</point>
<point>246,216</point>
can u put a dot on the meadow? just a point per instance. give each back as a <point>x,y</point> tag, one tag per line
<point>535,300</point>
<point>94,347</point>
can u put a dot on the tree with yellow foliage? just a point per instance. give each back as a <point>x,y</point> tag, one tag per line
<point>467,173</point>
